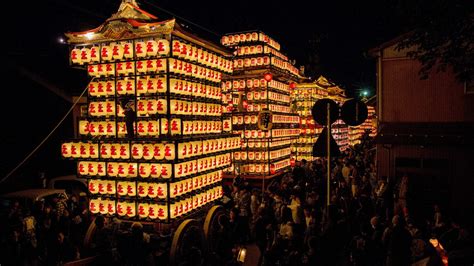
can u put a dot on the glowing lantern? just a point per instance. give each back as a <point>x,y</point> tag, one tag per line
<point>132,170</point>
<point>127,50</point>
<point>161,190</point>
<point>131,189</point>
<point>160,65</point>
<point>155,170</point>
<point>76,56</point>
<point>163,47</point>
<point>141,110</point>
<point>130,209</point>
<point>110,206</point>
<point>175,126</point>
<point>109,187</point>
<point>165,171</point>
<point>162,212</point>
<point>117,51</point>
<point>121,208</point>
<point>148,151</point>
<point>143,209</point>
<point>152,211</point>
<point>140,49</point>
<point>94,206</point>
<point>66,149</point>
<point>137,151</point>
<point>141,127</point>
<point>94,54</point>
<point>112,169</point>
<point>122,169</point>
<point>93,186</point>
<point>106,53</point>
<point>151,48</point>
<point>101,169</point>
<point>142,85</point>
<point>142,189</point>
<point>141,66</point>
<point>144,170</point>
<point>85,55</point>
<point>124,151</point>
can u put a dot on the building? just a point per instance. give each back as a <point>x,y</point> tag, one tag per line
<point>425,130</point>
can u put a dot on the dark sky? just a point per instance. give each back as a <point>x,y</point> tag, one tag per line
<point>336,34</point>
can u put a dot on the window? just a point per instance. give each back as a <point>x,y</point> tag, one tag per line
<point>469,87</point>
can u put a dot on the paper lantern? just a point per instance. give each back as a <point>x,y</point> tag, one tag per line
<point>132,170</point>
<point>102,186</point>
<point>94,206</point>
<point>154,170</point>
<point>161,190</point>
<point>148,151</point>
<point>117,51</point>
<point>121,208</point>
<point>140,49</point>
<point>175,126</point>
<point>130,209</point>
<point>144,170</point>
<point>122,169</point>
<point>85,55</point>
<point>151,48</point>
<point>76,56</point>
<point>130,189</point>
<point>106,53</point>
<point>93,186</point>
<point>162,212</point>
<point>165,171</point>
<point>66,149</point>
<point>127,50</point>
<point>142,189</point>
<point>137,151</point>
<point>124,151</point>
<point>94,54</point>
<point>110,206</point>
<point>161,65</point>
<point>143,209</point>
<point>169,151</point>
<point>163,47</point>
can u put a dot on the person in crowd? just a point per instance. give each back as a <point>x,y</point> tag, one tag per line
<point>399,244</point>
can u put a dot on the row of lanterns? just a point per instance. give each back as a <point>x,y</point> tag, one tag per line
<point>153,210</point>
<point>181,67</point>
<point>253,134</point>
<point>276,154</point>
<point>286,119</point>
<point>258,49</point>
<point>306,139</point>
<point>240,84</point>
<point>152,189</point>
<point>239,38</point>
<point>120,51</point>
<point>188,168</point>
<point>195,89</point>
<point>279,108</point>
<point>192,53</point>
<point>180,107</point>
<point>284,65</point>
<point>285,132</point>
<point>124,169</point>
<point>242,63</point>
<point>156,151</point>
<point>305,149</point>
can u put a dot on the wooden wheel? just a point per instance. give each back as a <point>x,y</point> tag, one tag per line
<point>211,226</point>
<point>89,234</point>
<point>188,244</point>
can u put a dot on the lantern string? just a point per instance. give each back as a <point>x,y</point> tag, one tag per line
<point>181,18</point>
<point>46,138</point>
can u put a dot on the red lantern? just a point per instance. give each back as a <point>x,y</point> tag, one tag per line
<point>268,77</point>
<point>292,85</point>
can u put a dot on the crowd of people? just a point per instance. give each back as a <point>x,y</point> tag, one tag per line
<point>369,220</point>
<point>46,233</point>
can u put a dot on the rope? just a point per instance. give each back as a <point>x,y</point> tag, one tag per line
<point>44,140</point>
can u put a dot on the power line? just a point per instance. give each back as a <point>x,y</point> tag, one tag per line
<point>181,18</point>
<point>45,139</point>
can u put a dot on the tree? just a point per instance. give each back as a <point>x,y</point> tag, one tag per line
<point>443,34</point>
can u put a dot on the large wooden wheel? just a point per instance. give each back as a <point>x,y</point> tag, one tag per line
<point>89,234</point>
<point>188,244</point>
<point>211,226</point>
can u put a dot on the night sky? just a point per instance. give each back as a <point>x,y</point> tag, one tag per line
<point>334,34</point>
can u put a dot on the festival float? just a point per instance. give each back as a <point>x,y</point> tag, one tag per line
<point>153,144</point>
<point>257,98</point>
<point>305,95</point>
